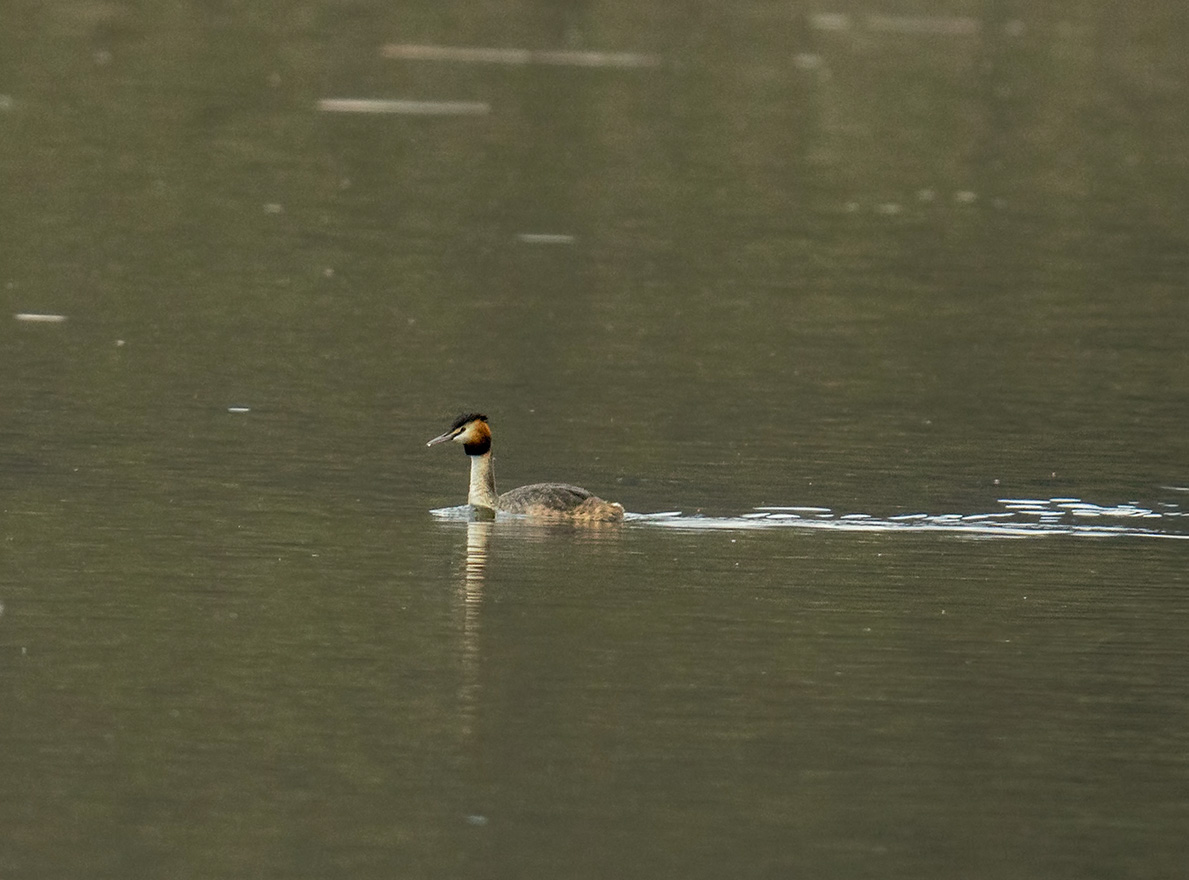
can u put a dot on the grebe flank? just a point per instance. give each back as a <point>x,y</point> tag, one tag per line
<point>540,500</point>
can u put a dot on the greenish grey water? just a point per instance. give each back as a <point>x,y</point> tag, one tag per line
<point>884,266</point>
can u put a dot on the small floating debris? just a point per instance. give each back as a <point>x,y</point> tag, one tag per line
<point>924,24</point>
<point>476,55</point>
<point>38,318</point>
<point>829,21</point>
<point>544,238</point>
<point>917,25</point>
<point>413,108</point>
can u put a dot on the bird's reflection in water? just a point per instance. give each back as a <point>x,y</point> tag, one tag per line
<point>520,534</point>
<point>474,574</point>
<point>478,538</point>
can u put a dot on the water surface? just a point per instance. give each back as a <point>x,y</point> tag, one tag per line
<point>888,310</point>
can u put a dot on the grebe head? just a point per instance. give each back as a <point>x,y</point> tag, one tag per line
<point>469,429</point>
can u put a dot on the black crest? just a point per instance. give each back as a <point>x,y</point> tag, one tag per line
<point>467,417</point>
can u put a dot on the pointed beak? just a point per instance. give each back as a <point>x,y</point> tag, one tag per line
<point>444,438</point>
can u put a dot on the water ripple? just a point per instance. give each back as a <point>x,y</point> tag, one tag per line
<point>1021,517</point>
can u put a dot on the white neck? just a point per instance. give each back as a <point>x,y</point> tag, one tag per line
<point>482,491</point>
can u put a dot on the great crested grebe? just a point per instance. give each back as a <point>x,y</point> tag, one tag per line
<point>540,500</point>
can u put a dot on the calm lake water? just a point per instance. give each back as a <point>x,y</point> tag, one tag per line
<point>879,322</point>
